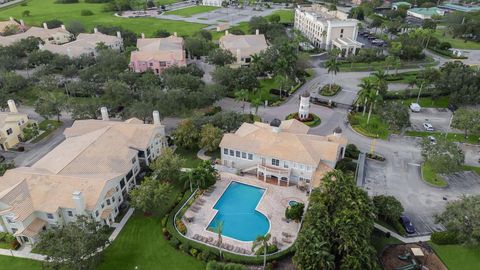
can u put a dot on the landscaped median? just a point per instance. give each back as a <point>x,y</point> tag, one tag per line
<point>431,177</point>
<point>453,137</point>
<point>363,66</point>
<point>376,128</point>
<point>312,121</point>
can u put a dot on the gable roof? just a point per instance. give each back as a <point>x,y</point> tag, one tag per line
<point>158,49</point>
<point>247,44</point>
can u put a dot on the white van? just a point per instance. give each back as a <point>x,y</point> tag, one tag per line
<point>415,107</point>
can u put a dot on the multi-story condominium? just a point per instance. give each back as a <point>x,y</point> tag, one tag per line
<point>282,152</point>
<point>57,35</point>
<point>89,173</point>
<point>12,124</point>
<point>327,29</point>
<point>86,44</point>
<point>158,54</point>
<point>243,46</point>
<point>5,25</point>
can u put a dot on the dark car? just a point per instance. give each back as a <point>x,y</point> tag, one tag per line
<point>407,224</point>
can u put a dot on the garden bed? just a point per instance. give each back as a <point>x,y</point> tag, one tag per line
<point>329,91</point>
<point>47,126</point>
<point>390,257</point>
<point>312,121</point>
<point>375,129</point>
<point>431,177</point>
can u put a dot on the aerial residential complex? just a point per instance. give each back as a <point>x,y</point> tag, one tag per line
<point>327,29</point>
<point>57,35</point>
<point>243,46</point>
<point>283,152</point>
<point>5,25</point>
<point>158,54</point>
<point>12,124</point>
<point>89,173</point>
<point>86,44</point>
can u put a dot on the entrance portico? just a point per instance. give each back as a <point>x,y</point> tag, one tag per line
<point>346,45</point>
<point>282,175</point>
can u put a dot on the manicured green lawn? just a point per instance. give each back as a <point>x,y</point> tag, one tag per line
<point>472,168</point>
<point>453,137</point>
<point>44,10</point>
<point>456,42</point>
<point>431,177</point>
<point>141,243</point>
<point>428,102</point>
<point>401,77</point>
<point>379,240</point>
<point>190,156</point>
<point>243,26</point>
<point>48,126</point>
<point>344,66</point>
<point>457,257</point>
<point>286,16</point>
<point>187,12</point>
<point>13,263</point>
<point>166,2</point>
<point>376,128</point>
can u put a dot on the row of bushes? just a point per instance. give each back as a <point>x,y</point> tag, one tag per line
<point>444,238</point>
<point>204,252</point>
<point>446,53</point>
<point>9,239</point>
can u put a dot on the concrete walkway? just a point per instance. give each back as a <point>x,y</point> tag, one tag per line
<point>414,239</point>
<point>201,155</point>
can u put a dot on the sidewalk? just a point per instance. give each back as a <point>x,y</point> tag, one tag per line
<point>415,239</point>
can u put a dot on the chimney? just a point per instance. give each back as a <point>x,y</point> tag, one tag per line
<point>69,52</point>
<point>12,19</point>
<point>239,55</point>
<point>45,25</point>
<point>11,106</point>
<point>79,202</point>
<point>275,124</point>
<point>156,118</point>
<point>104,112</point>
<point>175,34</point>
<point>143,35</point>
<point>40,46</point>
<point>22,23</point>
<point>257,32</point>
<point>95,30</point>
<point>119,34</point>
<point>63,27</point>
<point>226,32</point>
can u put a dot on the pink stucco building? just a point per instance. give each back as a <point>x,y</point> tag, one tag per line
<point>158,54</point>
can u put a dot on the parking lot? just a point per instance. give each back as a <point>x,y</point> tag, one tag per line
<point>439,118</point>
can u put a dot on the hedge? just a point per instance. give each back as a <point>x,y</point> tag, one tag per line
<point>444,238</point>
<point>227,256</point>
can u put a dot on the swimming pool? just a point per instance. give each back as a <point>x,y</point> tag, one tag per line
<point>236,208</point>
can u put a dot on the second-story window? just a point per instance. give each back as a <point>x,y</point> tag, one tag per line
<point>225,151</point>
<point>108,201</point>
<point>9,131</point>
<point>244,155</point>
<point>275,162</point>
<point>250,156</point>
<point>102,205</point>
<point>237,153</point>
<point>49,216</point>
<point>231,153</point>
<point>70,213</point>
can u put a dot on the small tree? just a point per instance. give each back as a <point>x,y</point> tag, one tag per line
<point>220,57</point>
<point>210,137</point>
<point>466,120</point>
<point>242,95</point>
<point>443,157</point>
<point>75,245</point>
<point>295,212</point>
<point>26,13</point>
<point>186,134</point>
<point>388,208</point>
<point>150,195</point>
<point>50,104</point>
<point>462,217</point>
<point>333,67</point>
<point>205,174</point>
<point>167,166</point>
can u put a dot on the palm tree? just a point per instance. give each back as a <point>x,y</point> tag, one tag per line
<point>219,235</point>
<point>381,79</point>
<point>262,240</point>
<point>332,67</point>
<point>366,88</point>
<point>241,95</point>
<point>188,178</point>
<point>256,102</point>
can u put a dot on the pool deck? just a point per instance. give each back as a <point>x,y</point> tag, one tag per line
<point>272,205</point>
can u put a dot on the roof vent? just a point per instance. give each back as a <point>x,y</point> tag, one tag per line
<point>337,130</point>
<point>275,122</point>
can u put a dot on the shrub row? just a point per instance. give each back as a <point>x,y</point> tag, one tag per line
<point>446,53</point>
<point>444,238</point>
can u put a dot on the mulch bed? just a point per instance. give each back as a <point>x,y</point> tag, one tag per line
<point>390,260</point>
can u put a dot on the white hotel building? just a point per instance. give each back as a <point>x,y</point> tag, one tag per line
<point>282,152</point>
<point>89,173</point>
<point>327,29</point>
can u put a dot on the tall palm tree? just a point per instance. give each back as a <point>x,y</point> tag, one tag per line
<point>333,67</point>
<point>262,240</point>
<point>241,96</point>
<point>219,235</point>
<point>188,178</point>
<point>367,87</point>
<point>381,80</point>
<point>256,102</point>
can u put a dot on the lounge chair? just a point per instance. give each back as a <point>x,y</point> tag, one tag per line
<point>286,240</point>
<point>210,239</point>
<point>193,210</point>
<point>405,256</point>
<point>201,200</point>
<point>195,207</point>
<point>196,236</point>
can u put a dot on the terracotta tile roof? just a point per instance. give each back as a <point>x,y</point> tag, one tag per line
<point>84,44</point>
<point>33,31</point>
<point>322,169</point>
<point>292,144</point>
<point>158,49</point>
<point>33,229</point>
<point>248,44</point>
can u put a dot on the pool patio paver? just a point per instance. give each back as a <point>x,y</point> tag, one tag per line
<point>272,205</point>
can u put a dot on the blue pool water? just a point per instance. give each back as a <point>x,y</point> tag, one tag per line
<point>236,208</point>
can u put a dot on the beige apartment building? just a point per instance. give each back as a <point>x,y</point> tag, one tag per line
<point>12,124</point>
<point>90,173</point>
<point>327,29</point>
<point>57,35</point>
<point>243,46</point>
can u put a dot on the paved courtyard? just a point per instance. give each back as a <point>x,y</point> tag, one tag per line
<point>272,205</point>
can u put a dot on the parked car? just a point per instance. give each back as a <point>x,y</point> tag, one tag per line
<point>415,107</point>
<point>407,224</point>
<point>428,127</point>
<point>432,140</point>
